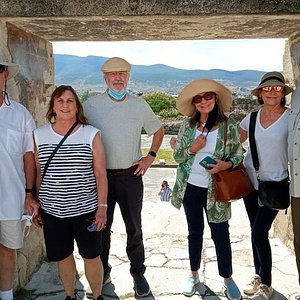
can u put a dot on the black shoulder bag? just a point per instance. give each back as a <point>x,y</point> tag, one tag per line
<point>272,194</point>
<point>56,148</point>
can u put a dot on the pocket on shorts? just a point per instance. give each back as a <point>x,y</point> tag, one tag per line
<point>14,141</point>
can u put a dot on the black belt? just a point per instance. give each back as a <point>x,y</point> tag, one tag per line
<point>122,172</point>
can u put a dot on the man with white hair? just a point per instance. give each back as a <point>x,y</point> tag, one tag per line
<point>121,118</point>
<point>17,177</point>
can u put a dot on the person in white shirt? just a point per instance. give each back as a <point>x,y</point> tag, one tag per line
<point>271,133</point>
<point>17,177</point>
<point>294,159</point>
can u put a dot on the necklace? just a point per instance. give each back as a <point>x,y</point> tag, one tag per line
<point>269,116</point>
<point>202,123</point>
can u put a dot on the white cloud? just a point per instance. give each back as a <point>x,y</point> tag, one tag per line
<point>262,54</point>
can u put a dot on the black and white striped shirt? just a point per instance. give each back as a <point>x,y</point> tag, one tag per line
<point>69,186</point>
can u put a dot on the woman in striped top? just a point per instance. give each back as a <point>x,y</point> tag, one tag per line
<point>72,191</point>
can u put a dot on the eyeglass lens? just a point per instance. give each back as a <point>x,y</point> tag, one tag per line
<point>276,88</point>
<point>207,96</point>
<point>2,68</point>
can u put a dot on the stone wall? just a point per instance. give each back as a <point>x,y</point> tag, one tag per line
<point>291,60</point>
<point>31,87</point>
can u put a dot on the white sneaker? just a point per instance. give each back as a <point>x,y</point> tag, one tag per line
<point>253,286</point>
<point>189,286</point>
<point>264,293</point>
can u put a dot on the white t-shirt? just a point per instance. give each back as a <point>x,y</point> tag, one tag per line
<point>272,149</point>
<point>69,185</point>
<point>198,175</point>
<point>16,126</point>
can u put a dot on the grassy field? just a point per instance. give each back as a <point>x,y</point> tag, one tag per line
<point>166,154</point>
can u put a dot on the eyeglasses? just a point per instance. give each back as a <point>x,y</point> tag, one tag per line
<point>93,226</point>
<point>207,96</point>
<point>276,88</point>
<point>3,68</point>
<point>115,74</point>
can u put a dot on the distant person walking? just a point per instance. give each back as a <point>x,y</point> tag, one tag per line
<point>294,158</point>
<point>165,192</point>
<point>271,136</point>
<point>17,177</point>
<point>121,117</point>
<point>202,134</point>
<point>72,189</point>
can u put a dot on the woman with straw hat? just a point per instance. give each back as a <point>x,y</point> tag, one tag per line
<point>205,102</point>
<point>271,134</point>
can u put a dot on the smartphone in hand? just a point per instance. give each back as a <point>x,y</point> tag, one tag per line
<point>207,160</point>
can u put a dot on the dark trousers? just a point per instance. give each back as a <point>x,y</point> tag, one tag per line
<point>127,191</point>
<point>194,202</point>
<point>295,204</point>
<point>261,220</point>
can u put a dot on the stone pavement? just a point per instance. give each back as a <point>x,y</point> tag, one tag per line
<point>167,262</point>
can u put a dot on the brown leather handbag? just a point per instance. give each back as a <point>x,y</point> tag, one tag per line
<point>231,184</point>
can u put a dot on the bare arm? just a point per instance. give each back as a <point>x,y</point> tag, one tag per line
<point>99,165</point>
<point>147,161</point>
<point>31,204</point>
<point>243,135</point>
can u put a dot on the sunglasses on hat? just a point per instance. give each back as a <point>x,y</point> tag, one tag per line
<point>207,96</point>
<point>276,88</point>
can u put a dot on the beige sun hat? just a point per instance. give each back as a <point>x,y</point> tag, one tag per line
<point>11,67</point>
<point>271,79</point>
<point>116,64</point>
<point>184,101</point>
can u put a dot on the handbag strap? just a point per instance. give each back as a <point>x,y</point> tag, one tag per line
<point>56,149</point>
<point>252,142</point>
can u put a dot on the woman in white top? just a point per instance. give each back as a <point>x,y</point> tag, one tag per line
<point>72,191</point>
<point>271,132</point>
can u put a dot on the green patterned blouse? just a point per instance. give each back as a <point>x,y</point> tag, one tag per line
<point>217,211</point>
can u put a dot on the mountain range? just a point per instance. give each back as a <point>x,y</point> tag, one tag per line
<point>84,73</point>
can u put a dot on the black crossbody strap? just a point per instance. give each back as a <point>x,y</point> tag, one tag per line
<point>252,142</point>
<point>57,147</point>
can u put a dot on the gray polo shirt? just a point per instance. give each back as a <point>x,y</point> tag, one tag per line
<point>121,123</point>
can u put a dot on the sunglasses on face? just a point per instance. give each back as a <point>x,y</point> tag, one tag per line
<point>276,88</point>
<point>3,68</point>
<point>207,96</point>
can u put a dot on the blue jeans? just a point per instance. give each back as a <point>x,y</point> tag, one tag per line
<point>261,220</point>
<point>194,202</point>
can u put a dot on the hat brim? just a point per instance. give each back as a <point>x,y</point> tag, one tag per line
<point>12,68</point>
<point>184,101</point>
<point>272,82</point>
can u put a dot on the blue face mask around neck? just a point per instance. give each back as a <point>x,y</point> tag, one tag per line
<point>116,95</point>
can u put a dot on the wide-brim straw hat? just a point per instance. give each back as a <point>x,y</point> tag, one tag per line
<point>272,79</point>
<point>11,67</point>
<point>184,101</point>
<point>116,64</point>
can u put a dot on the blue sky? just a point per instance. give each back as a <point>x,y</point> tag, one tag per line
<point>254,54</point>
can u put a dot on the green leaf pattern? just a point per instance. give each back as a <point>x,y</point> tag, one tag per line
<point>217,211</point>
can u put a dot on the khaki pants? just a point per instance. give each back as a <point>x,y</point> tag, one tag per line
<point>295,204</point>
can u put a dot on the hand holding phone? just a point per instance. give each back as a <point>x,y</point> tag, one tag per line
<point>207,160</point>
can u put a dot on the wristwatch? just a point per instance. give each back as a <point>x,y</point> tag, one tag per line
<point>152,153</point>
<point>31,190</point>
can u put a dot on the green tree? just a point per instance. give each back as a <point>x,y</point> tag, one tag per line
<point>162,104</point>
<point>86,94</point>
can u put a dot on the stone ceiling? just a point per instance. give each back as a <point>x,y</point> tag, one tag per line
<point>109,20</point>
